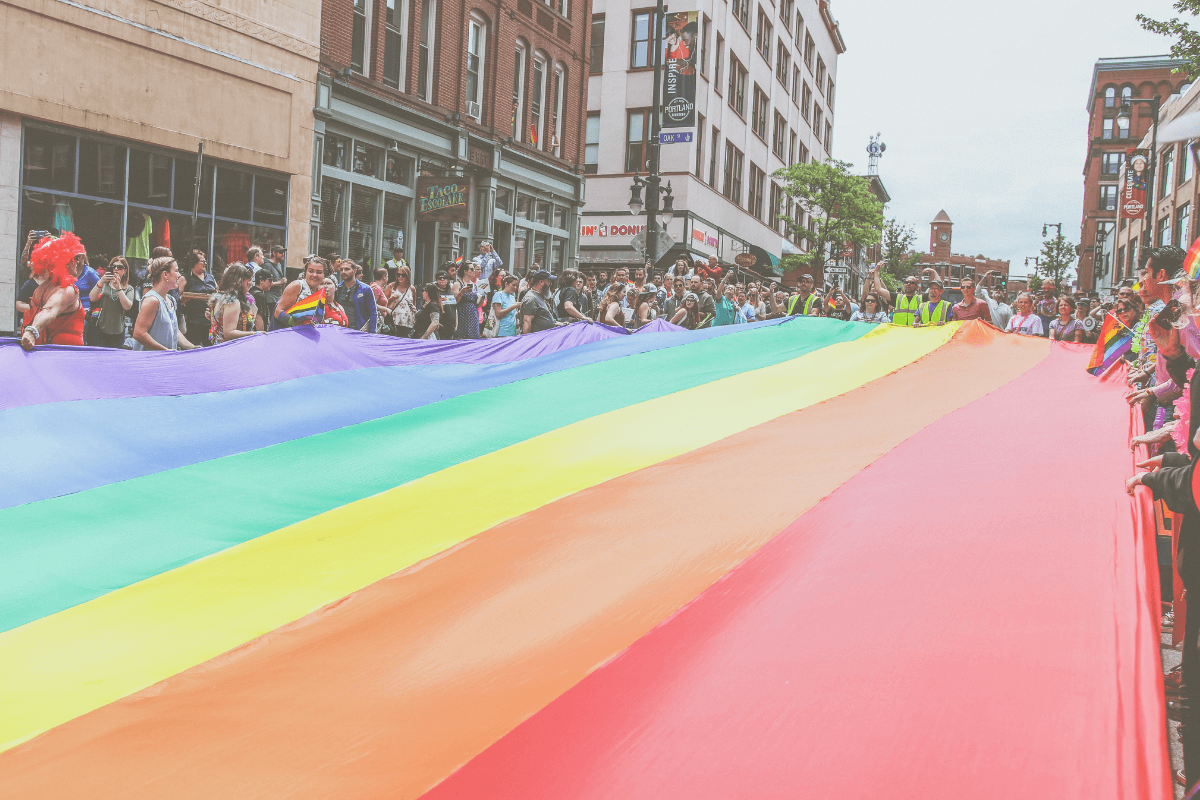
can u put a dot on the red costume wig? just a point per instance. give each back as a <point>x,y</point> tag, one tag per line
<point>53,257</point>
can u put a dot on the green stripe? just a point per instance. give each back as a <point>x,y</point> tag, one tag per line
<point>63,551</point>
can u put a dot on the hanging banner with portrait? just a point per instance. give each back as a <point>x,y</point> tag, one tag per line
<point>679,79</point>
<point>1132,191</point>
<point>442,199</point>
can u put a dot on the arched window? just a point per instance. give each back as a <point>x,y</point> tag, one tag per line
<point>1110,97</point>
<point>1126,93</point>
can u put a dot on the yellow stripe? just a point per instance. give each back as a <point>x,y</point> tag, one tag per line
<point>64,665</point>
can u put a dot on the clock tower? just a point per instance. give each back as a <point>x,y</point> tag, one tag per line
<point>941,232</point>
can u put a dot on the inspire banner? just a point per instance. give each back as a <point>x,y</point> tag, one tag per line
<point>679,82</point>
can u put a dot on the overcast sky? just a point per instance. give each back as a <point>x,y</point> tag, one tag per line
<point>983,107</point>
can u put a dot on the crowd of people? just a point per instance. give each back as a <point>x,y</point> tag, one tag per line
<point>179,303</point>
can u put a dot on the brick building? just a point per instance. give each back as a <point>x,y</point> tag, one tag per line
<point>100,136</point>
<point>481,99</point>
<point>1175,193</point>
<point>1108,138</point>
<point>953,267</point>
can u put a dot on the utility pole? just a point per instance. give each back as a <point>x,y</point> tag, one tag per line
<point>654,179</point>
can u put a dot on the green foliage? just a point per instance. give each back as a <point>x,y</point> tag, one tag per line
<point>897,243</point>
<point>1035,284</point>
<point>1187,41</point>
<point>842,206</point>
<point>1057,257</point>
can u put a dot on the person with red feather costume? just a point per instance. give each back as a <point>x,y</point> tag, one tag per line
<point>55,307</point>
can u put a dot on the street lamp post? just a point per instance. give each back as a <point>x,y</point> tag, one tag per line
<point>1126,113</point>
<point>653,182</point>
<point>1048,225</point>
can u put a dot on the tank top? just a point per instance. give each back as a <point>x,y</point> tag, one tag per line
<point>216,332</point>
<point>165,328</point>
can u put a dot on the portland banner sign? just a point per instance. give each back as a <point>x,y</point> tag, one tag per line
<point>679,81</point>
<point>1133,184</point>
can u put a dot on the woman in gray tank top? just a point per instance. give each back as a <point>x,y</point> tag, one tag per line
<point>157,326</point>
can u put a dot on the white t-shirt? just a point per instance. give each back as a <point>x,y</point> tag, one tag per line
<point>1026,326</point>
<point>747,313</point>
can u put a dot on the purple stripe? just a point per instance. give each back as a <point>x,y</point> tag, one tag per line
<point>54,373</point>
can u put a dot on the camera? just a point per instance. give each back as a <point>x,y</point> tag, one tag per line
<point>39,235</point>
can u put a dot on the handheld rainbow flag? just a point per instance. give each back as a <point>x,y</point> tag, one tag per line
<point>458,262</point>
<point>311,306</point>
<point>1191,263</point>
<point>1114,341</point>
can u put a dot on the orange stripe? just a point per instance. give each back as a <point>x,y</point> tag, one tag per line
<point>385,693</point>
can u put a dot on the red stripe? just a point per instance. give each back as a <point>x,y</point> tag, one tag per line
<point>968,617</point>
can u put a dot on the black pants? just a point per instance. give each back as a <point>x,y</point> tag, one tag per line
<point>115,340</point>
<point>1189,684</point>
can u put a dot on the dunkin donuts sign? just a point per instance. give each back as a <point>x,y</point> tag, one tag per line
<point>621,230</point>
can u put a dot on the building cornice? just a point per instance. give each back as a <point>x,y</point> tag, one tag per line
<point>831,25</point>
<point>1129,64</point>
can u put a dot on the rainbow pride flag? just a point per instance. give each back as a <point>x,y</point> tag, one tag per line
<point>1191,263</point>
<point>1113,342</point>
<point>312,306</point>
<point>360,574</point>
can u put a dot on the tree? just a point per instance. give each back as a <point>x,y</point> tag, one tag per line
<point>897,241</point>
<point>1035,284</point>
<point>841,205</point>
<point>1057,257</point>
<point>1187,41</point>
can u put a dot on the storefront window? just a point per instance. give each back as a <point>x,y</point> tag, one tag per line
<point>185,185</point>
<point>367,159</point>
<point>50,160</point>
<point>363,243</point>
<point>560,218</point>
<point>333,199</point>
<point>543,212</point>
<point>98,224</point>
<point>520,251</point>
<point>483,212</point>
<point>335,151</point>
<point>154,207</point>
<point>504,200</point>
<point>558,248</point>
<point>523,206</point>
<point>399,169</point>
<point>270,201</point>
<point>150,178</point>
<point>395,217</point>
<point>102,169</point>
<point>233,193</point>
<point>541,244</point>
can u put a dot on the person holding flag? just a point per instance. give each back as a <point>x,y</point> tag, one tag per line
<point>304,300</point>
<point>1116,336</point>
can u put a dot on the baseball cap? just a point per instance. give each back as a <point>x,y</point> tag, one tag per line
<point>541,275</point>
<point>938,281</point>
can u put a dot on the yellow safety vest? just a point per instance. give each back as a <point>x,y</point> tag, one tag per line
<point>906,310</point>
<point>808,304</point>
<point>940,313</point>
